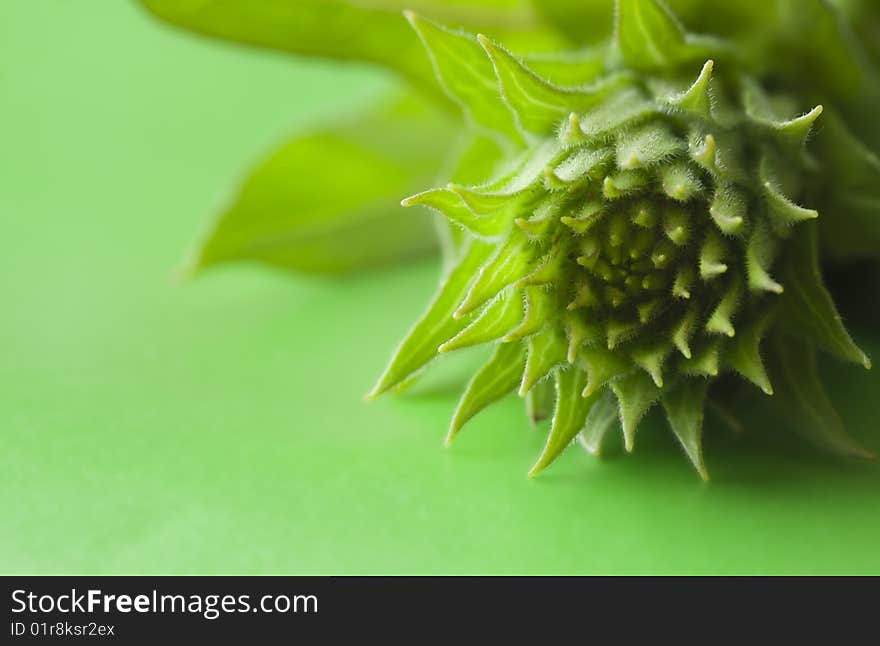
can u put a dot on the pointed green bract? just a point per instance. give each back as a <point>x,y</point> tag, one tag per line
<point>712,256</point>
<point>684,409</point>
<point>651,38</point>
<point>636,394</point>
<point>697,98</point>
<point>721,321</point>
<point>547,349</point>
<point>494,380</point>
<point>497,319</point>
<point>744,354</point>
<point>466,75</point>
<point>451,205</point>
<point>568,418</point>
<point>540,307</point>
<point>601,366</point>
<point>537,104</point>
<point>760,254</point>
<point>511,263</point>
<point>437,324</point>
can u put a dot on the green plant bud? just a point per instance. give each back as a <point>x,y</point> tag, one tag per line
<point>646,237</point>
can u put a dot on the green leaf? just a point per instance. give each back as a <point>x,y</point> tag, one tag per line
<point>449,202</point>
<point>569,67</point>
<point>437,324</point>
<point>808,310</point>
<point>650,37</point>
<point>602,366</point>
<point>568,418</point>
<point>537,104</point>
<point>328,201</point>
<point>512,261</point>
<point>744,353</point>
<point>684,409</point>
<point>547,350</point>
<point>499,376</point>
<point>477,159</point>
<point>636,394</point>
<point>467,75</point>
<point>581,21</point>
<point>371,30</point>
<point>496,320</point>
<point>801,398</point>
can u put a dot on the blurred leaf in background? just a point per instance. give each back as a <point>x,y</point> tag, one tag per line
<point>328,201</point>
<point>367,30</point>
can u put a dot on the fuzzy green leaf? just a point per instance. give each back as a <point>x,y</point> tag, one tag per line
<point>537,104</point>
<point>478,158</point>
<point>568,418</point>
<point>684,409</point>
<point>808,310</point>
<point>295,224</point>
<point>801,398</point>
<point>498,377</point>
<point>744,354</point>
<point>437,324</point>
<point>547,349</point>
<point>602,366</point>
<point>636,394</point>
<point>650,37</point>
<point>467,75</point>
<point>496,320</point>
<point>580,21</point>
<point>451,203</point>
<point>343,29</point>
<point>511,262</point>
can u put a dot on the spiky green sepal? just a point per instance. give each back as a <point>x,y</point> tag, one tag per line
<point>645,241</point>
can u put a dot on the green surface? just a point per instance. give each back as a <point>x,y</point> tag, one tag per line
<point>217,426</point>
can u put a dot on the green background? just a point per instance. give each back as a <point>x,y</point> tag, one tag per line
<point>218,427</point>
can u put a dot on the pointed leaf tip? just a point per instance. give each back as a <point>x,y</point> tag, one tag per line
<point>697,98</point>
<point>437,324</point>
<point>568,418</point>
<point>636,394</point>
<point>467,76</point>
<point>537,104</point>
<point>498,377</point>
<point>684,407</point>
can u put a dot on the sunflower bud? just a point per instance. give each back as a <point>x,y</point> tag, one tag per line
<point>640,240</point>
